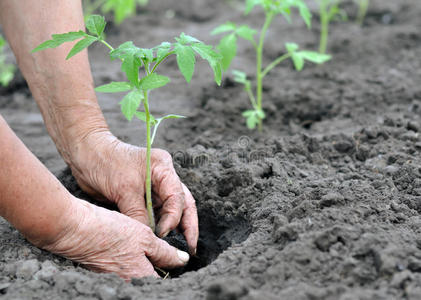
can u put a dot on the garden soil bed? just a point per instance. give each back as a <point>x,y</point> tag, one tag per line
<point>325,203</point>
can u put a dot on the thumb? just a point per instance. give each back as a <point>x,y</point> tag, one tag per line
<point>134,207</point>
<point>162,255</point>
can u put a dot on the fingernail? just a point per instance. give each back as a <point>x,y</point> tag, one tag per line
<point>183,256</point>
<point>164,234</point>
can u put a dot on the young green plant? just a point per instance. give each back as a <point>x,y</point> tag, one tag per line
<point>134,59</point>
<point>228,48</point>
<point>362,10</point>
<point>122,9</point>
<point>328,10</point>
<point>7,71</point>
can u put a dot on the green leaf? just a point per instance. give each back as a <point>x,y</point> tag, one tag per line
<point>141,115</point>
<point>246,32</point>
<point>185,39</point>
<point>186,60</point>
<point>253,117</point>
<point>228,48</point>
<point>114,87</point>
<point>315,57</point>
<point>153,81</point>
<point>298,61</point>
<point>146,54</point>
<point>130,66</point>
<point>162,50</point>
<point>130,103</point>
<point>239,76</point>
<point>96,24</point>
<point>81,45</point>
<point>229,26</point>
<point>305,13</point>
<point>2,42</point>
<point>124,50</point>
<point>214,59</point>
<point>58,39</point>
<point>250,4</point>
<point>291,47</point>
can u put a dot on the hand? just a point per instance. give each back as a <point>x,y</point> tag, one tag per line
<point>107,241</point>
<point>111,170</point>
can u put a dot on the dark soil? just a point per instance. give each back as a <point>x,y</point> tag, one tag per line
<point>323,204</point>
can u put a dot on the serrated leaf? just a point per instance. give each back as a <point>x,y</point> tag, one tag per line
<point>253,117</point>
<point>229,26</point>
<point>162,50</point>
<point>153,81</point>
<point>58,39</point>
<point>185,39</point>
<point>214,59</point>
<point>81,45</point>
<point>314,57</point>
<point>246,32</point>
<point>124,50</point>
<point>130,66</point>
<point>114,87</point>
<point>228,48</point>
<point>95,24</point>
<point>186,60</point>
<point>130,104</point>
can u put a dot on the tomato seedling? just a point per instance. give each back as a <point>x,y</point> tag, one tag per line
<point>228,48</point>
<point>133,59</point>
<point>121,9</point>
<point>7,71</point>
<point>328,10</point>
<point>362,10</point>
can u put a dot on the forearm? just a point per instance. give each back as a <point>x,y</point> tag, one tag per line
<point>31,198</point>
<point>62,88</point>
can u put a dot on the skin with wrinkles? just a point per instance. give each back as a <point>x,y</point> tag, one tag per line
<point>104,166</point>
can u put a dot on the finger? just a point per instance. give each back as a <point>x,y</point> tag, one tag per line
<point>190,221</point>
<point>163,255</point>
<point>134,206</point>
<point>167,186</point>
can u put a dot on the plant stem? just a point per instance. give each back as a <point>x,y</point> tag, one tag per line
<point>362,11</point>
<point>259,57</point>
<point>275,63</point>
<point>324,24</point>
<point>106,44</point>
<point>149,206</point>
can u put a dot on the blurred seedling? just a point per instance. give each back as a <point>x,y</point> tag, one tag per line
<point>228,48</point>
<point>329,11</point>
<point>133,60</point>
<point>7,71</point>
<point>121,9</point>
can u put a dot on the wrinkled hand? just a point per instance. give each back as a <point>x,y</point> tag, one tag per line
<point>111,170</point>
<point>108,241</point>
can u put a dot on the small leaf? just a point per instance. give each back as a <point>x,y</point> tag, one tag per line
<point>298,61</point>
<point>315,57</point>
<point>130,66</point>
<point>146,54</point>
<point>58,39</point>
<point>124,50</point>
<point>239,76</point>
<point>81,45</point>
<point>214,59</point>
<point>130,104</point>
<point>291,47</point>
<point>229,26</point>
<point>185,39</point>
<point>114,87</point>
<point>186,61</point>
<point>162,50</point>
<point>250,4</point>
<point>141,115</point>
<point>153,81</point>
<point>246,32</point>
<point>253,117</point>
<point>96,24</point>
<point>228,48</point>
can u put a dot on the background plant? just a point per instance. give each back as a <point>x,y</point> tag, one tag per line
<point>133,60</point>
<point>7,71</point>
<point>228,48</point>
<point>329,10</point>
<point>362,10</point>
<point>121,9</point>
